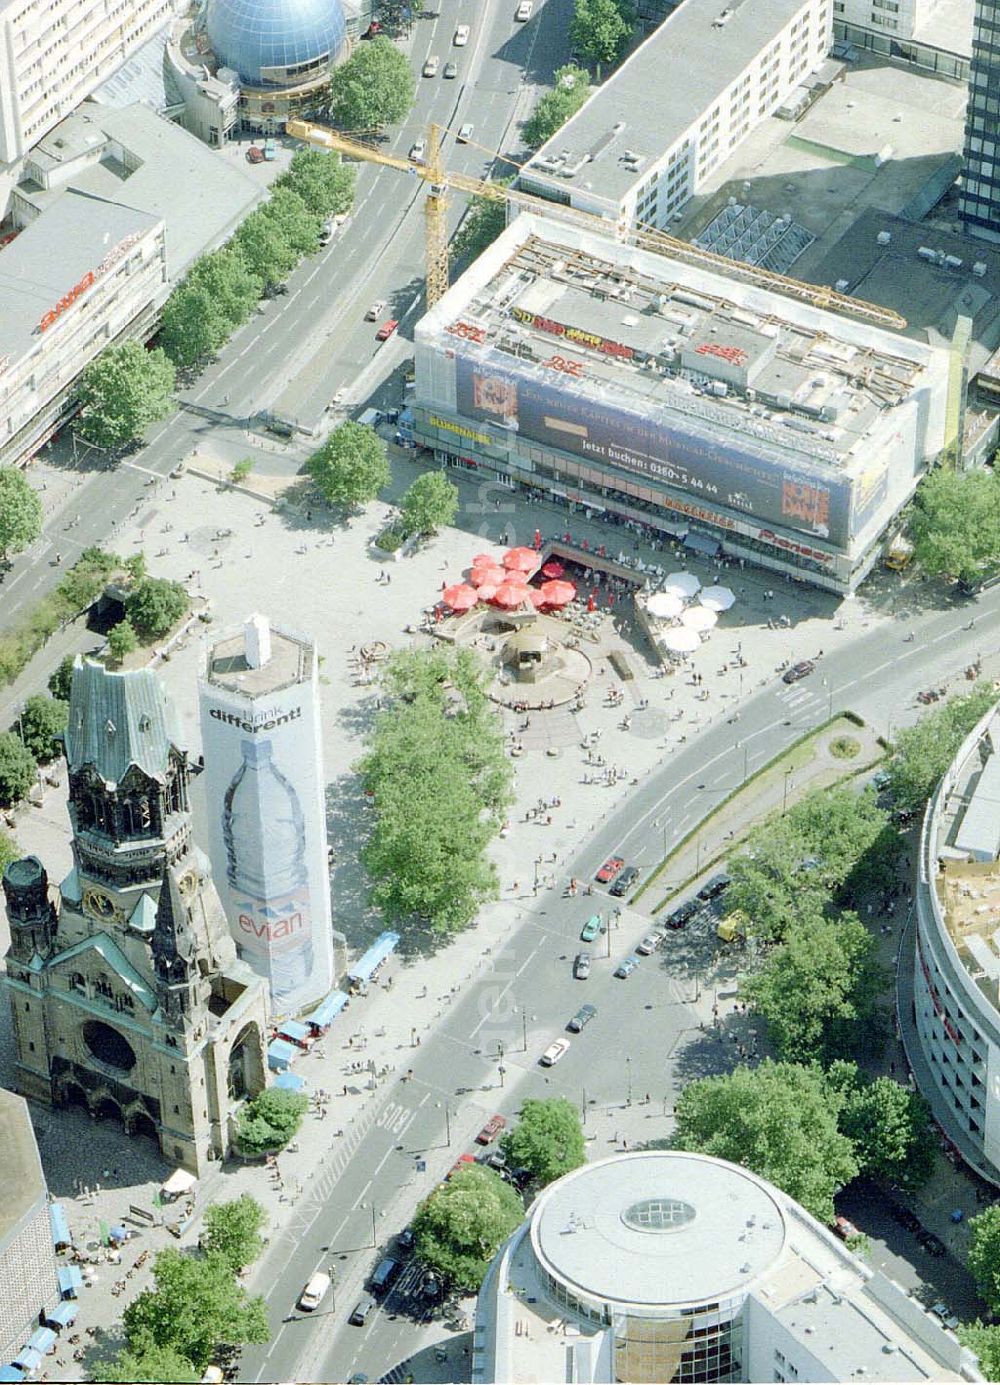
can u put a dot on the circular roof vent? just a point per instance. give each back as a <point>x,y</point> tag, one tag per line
<point>659,1214</point>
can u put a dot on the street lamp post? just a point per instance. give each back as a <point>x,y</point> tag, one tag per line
<point>628,1073</point>
<point>583,1105</point>
<point>784,796</point>
<point>524,1030</point>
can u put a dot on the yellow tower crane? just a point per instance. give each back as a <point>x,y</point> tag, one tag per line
<point>440,180</point>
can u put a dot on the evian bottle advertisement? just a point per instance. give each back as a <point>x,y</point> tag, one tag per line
<point>263,767</point>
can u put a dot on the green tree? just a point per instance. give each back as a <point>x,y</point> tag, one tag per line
<point>351,467</point>
<point>20,512</point>
<point>599,31</point>
<point>984,1340</point>
<point>459,1228</point>
<point>555,107</point>
<point>241,470</point>
<point>192,325</point>
<point>779,1120</point>
<point>430,503</point>
<point>154,605</point>
<point>325,183</point>
<point>42,719</point>
<point>195,1306</point>
<point>374,87</point>
<point>122,639</point>
<point>955,524</point>
<point>135,565</point>
<point>298,225</point>
<point>265,248</point>
<point>145,1362</point>
<point>482,223</point>
<point>17,769</point>
<point>920,754</point>
<point>122,392</point>
<point>547,1139</point>
<point>227,278</point>
<point>890,1127</point>
<point>818,991</point>
<point>61,681</point>
<point>984,1255</point>
<point>270,1120</point>
<point>232,1230</point>
<point>9,851</point>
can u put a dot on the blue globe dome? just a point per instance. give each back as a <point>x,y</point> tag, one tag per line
<point>254,36</point>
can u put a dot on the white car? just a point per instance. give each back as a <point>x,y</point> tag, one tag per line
<point>523,10</point>
<point>464,133</point>
<point>417,151</point>
<point>554,1052</point>
<point>461,36</point>
<point>315,1291</point>
<point>431,67</point>
<point>375,311</point>
<point>649,944</point>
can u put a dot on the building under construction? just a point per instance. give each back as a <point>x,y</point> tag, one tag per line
<point>630,383</point>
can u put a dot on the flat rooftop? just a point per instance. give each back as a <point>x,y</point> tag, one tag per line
<point>657,93</point>
<point>226,664</point>
<point>22,1182</point>
<point>797,377</point>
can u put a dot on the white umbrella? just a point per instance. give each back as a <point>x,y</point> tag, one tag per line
<point>680,640</point>
<point>665,605</point>
<point>717,598</point>
<point>699,618</point>
<point>683,584</point>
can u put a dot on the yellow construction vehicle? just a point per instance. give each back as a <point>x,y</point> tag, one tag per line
<point>440,179</point>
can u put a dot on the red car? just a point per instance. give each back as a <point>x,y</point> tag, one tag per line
<point>491,1130</point>
<point>610,869</point>
<point>387,329</point>
<point>255,155</point>
<point>844,1229</point>
<point>462,1162</point>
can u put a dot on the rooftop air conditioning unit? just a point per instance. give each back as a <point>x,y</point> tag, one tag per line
<point>884,238</point>
<point>953,261</point>
<point>841,285</point>
<point>926,253</point>
<point>979,269</point>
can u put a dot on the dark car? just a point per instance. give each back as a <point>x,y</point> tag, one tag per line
<point>624,882</point>
<point>679,917</point>
<point>717,885</point>
<point>430,1286</point>
<point>800,670</point>
<point>583,1016</point>
<point>404,1241</point>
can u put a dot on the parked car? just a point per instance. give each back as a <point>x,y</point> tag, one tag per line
<point>649,944</point>
<point>625,969</point>
<point>314,1292</point>
<point>844,1229</point>
<point>362,1310</point>
<point>491,1130</point>
<point>461,36</point>
<point>716,885</point>
<point>386,330</point>
<point>493,1159</point>
<point>944,1313</point>
<point>270,149</point>
<point>430,1285</point>
<point>255,155</point>
<point>431,66</point>
<point>375,311</point>
<point>417,151</point>
<point>464,133</point>
<point>610,869</point>
<point>450,70</point>
<point>523,11</point>
<point>556,1050</point>
<point>624,882</point>
<point>800,670</point>
<point>678,918</point>
<point>462,1162</point>
<point>590,930</point>
<point>404,1241</point>
<point>583,1016</point>
<point>581,966</point>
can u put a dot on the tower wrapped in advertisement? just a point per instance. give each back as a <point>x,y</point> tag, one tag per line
<point>266,806</point>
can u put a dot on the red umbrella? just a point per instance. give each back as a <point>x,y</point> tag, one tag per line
<point>536,597</point>
<point>510,594</point>
<point>558,593</point>
<point>553,569</point>
<point>491,574</point>
<point>485,560</point>
<point>487,591</point>
<point>521,560</point>
<point>460,597</point>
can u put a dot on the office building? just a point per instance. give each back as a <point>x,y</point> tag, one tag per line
<point>648,139</point>
<point>979,200</point>
<point>265,791</point>
<point>935,35</point>
<point>956,975</point>
<point>632,384</point>
<point>667,1266</point>
<point>28,1282</point>
<point>126,994</point>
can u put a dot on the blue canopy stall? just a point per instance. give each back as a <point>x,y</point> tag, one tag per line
<point>281,1054</point>
<point>70,1281</point>
<point>43,1339</point>
<point>10,1373</point>
<point>328,1010</point>
<point>363,971</point>
<point>28,1359</point>
<point>61,1238</point>
<point>296,1032</point>
<point>63,1314</point>
<point>290,1082</point>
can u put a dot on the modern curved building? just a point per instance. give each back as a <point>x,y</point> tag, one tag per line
<point>956,974</point>
<point>669,1266</point>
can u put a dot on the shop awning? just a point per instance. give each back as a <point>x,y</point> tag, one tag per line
<point>701,543</point>
<point>381,948</point>
<point>280,1054</point>
<point>70,1280</point>
<point>63,1314</point>
<point>290,1082</point>
<point>295,1030</point>
<point>180,1181</point>
<point>60,1226</point>
<point>43,1339</point>
<point>328,1010</point>
<point>28,1359</point>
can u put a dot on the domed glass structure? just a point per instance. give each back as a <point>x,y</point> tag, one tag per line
<point>275,42</point>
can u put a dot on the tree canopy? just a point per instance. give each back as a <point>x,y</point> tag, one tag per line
<point>195,1304</point>
<point>17,769</point>
<point>154,605</point>
<point>61,679</point>
<point>554,108</point>
<point>984,1340</point>
<point>41,720</point>
<point>270,1120</point>
<point>436,775</point>
<point>323,181</point>
<point>547,1139</point>
<point>232,1230</point>
<point>890,1127</point>
<point>146,1362</point>
<point>482,223</point>
<point>430,503</point>
<point>265,248</point>
<point>459,1228</point>
<point>122,639</point>
<point>226,277</point>
<point>352,466</point>
<point>374,87</point>
<point>192,326</point>
<point>123,391</point>
<point>781,1121</point>
<point>600,29</point>
<point>920,754</point>
<point>297,224</point>
<point>20,512</point>
<point>955,524</point>
<point>9,850</point>
<point>984,1255</point>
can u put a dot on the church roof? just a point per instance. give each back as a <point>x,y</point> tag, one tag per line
<point>117,720</point>
<point>116,960</point>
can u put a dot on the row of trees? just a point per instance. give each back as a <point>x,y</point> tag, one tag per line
<point>600,31</point>
<point>439,785</point>
<point>920,754</point>
<point>955,523</point>
<point>374,87</point>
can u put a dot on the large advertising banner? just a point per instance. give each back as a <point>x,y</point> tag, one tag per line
<point>726,474</point>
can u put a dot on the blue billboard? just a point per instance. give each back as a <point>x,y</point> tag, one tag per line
<point>728,474</point>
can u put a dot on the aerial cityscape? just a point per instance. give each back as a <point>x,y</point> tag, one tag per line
<point>499,691</point>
